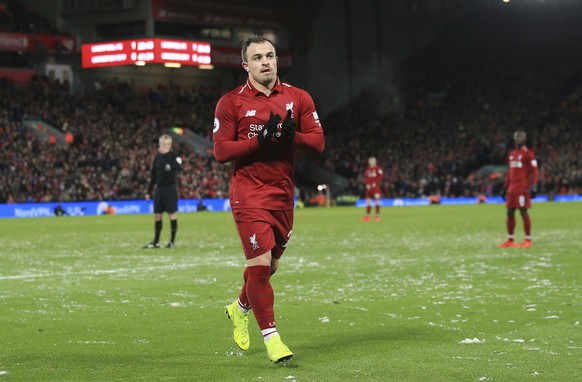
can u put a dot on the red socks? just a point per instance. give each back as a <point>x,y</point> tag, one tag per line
<point>368,209</point>
<point>378,209</point>
<point>510,225</point>
<point>259,293</point>
<point>243,300</point>
<point>527,226</point>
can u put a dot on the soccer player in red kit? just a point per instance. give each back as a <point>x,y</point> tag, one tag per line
<point>372,178</point>
<point>259,126</point>
<point>520,186</point>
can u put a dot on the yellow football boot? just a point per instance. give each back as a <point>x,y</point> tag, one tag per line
<point>277,350</point>
<point>240,321</point>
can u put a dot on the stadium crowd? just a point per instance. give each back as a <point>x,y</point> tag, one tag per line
<point>460,104</point>
<point>115,134</point>
<point>17,17</point>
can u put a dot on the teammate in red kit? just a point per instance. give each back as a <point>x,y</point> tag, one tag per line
<point>372,177</point>
<point>520,186</point>
<point>259,126</point>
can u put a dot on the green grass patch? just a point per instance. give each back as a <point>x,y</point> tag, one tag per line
<point>379,301</point>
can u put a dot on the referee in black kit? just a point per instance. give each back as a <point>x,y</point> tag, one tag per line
<point>164,171</point>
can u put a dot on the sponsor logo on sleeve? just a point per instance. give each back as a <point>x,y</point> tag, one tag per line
<point>216,125</point>
<point>316,118</point>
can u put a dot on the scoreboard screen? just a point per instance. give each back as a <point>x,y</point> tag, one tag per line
<point>146,51</point>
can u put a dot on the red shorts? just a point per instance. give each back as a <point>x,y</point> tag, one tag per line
<point>261,231</point>
<point>518,200</point>
<point>372,193</point>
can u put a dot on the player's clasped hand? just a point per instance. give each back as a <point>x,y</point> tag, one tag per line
<point>269,129</point>
<point>288,128</point>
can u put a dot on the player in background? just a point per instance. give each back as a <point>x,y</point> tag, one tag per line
<point>372,178</point>
<point>164,172</point>
<point>520,186</point>
<point>259,126</point>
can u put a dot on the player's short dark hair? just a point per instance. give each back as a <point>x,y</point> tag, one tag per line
<point>254,39</point>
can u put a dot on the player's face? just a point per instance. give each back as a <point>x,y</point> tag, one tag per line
<point>261,63</point>
<point>519,139</point>
<point>372,162</point>
<point>165,146</point>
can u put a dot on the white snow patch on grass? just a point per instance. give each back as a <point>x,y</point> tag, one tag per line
<point>472,341</point>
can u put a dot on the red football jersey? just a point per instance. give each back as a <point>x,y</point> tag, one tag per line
<point>522,170</point>
<point>263,176</point>
<point>373,177</point>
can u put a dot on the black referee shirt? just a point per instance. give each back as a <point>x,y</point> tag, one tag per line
<point>164,170</point>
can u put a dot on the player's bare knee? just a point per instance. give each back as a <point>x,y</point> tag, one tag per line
<point>262,260</point>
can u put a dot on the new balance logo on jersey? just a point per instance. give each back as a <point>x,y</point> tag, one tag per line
<point>251,113</point>
<point>254,243</point>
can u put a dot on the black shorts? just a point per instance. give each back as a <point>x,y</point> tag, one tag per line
<point>166,199</point>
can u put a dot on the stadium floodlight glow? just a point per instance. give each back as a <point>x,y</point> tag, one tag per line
<point>506,1</point>
<point>206,67</point>
<point>322,187</point>
<point>140,63</point>
<point>172,65</point>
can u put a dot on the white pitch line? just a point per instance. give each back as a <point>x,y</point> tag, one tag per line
<point>97,272</point>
